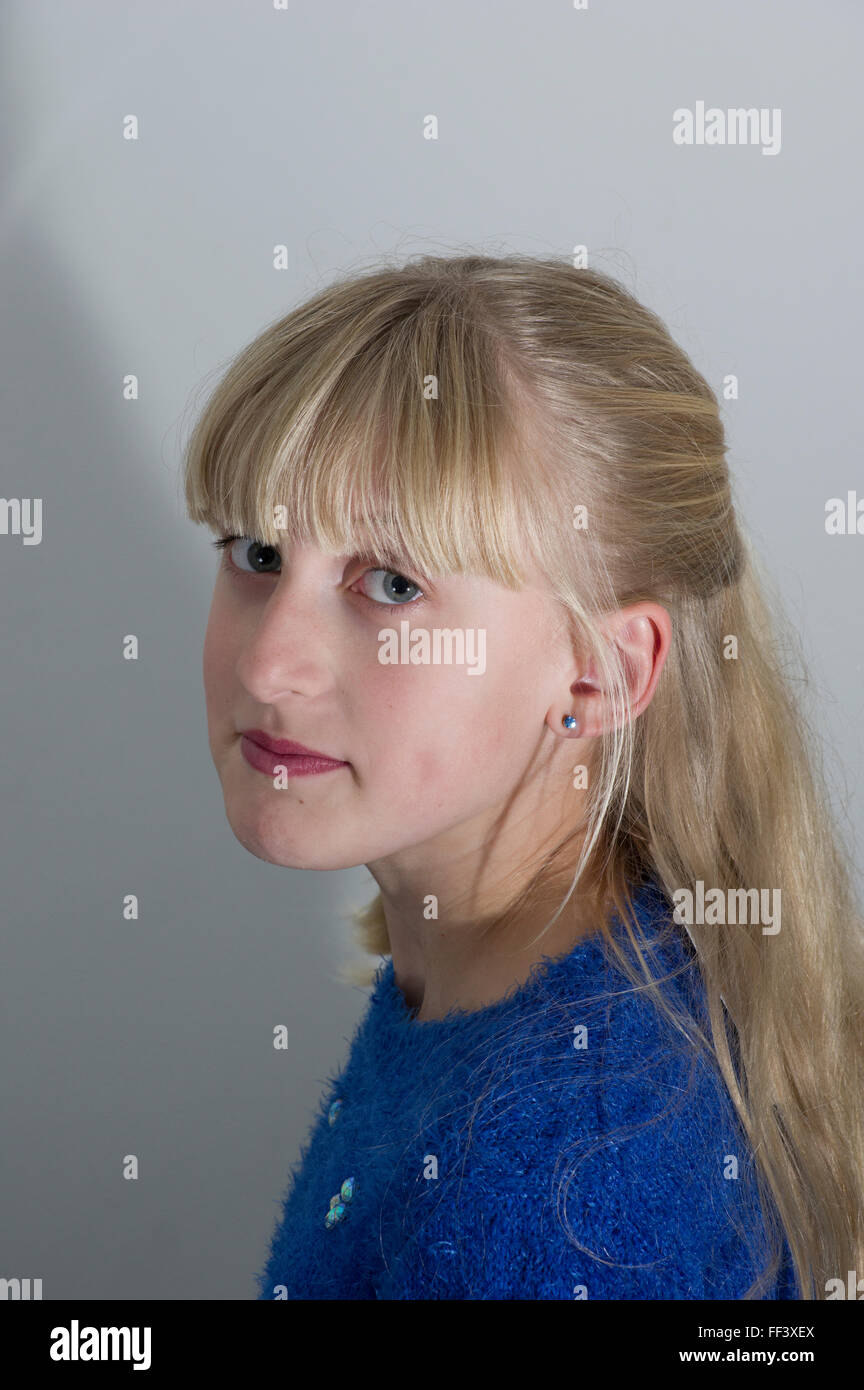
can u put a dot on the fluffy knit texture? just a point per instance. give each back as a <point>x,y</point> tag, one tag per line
<point>475,1141</point>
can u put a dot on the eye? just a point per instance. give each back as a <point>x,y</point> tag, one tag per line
<point>244,555</point>
<point>249,556</point>
<point>389,588</point>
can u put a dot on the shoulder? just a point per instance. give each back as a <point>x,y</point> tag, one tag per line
<point>601,1158</point>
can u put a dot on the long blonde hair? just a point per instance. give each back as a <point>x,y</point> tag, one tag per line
<point>454,413</point>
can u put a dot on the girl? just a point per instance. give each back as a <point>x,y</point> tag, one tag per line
<point>614,1047</point>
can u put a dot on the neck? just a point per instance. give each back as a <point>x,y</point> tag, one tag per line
<point>468,962</point>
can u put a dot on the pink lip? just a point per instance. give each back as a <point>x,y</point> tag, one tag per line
<point>268,755</point>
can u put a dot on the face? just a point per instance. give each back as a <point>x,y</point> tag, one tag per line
<point>428,752</point>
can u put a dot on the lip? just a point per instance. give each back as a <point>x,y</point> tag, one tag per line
<point>282,756</point>
<point>287,745</point>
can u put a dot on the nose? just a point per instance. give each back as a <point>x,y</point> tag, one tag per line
<point>289,647</point>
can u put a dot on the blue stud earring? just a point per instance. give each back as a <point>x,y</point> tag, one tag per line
<point>570,721</point>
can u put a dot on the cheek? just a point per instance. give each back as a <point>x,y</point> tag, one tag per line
<point>217,661</point>
<point>439,728</point>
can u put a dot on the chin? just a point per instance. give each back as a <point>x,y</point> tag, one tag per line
<point>261,836</point>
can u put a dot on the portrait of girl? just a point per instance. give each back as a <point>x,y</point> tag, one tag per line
<point>487,620</point>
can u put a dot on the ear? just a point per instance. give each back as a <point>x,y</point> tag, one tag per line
<point>642,634</point>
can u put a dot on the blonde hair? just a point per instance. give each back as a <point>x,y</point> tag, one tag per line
<point>447,416</point>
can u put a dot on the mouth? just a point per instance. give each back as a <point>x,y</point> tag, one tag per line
<point>286,745</point>
<point>272,755</point>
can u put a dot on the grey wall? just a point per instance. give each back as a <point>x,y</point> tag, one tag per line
<point>305,126</point>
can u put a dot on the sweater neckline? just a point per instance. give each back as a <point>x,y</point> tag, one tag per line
<point>583,957</point>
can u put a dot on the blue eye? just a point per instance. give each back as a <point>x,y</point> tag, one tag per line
<point>396,588</point>
<point>258,557</point>
<point>244,555</point>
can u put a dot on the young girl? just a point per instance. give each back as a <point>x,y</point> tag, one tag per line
<point>486,621</point>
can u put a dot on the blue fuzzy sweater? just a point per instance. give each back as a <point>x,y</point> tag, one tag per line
<point>444,1152</point>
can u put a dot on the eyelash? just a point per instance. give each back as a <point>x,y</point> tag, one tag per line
<point>224,544</point>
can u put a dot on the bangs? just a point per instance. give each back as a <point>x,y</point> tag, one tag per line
<point>382,429</point>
